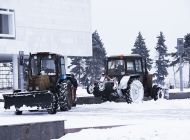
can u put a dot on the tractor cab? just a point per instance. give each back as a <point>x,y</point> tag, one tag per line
<point>126,78</point>
<point>118,66</point>
<point>45,69</point>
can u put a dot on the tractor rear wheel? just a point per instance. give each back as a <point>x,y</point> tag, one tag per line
<point>135,92</point>
<point>65,96</point>
<point>53,107</point>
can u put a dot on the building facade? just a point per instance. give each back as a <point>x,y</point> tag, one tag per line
<point>59,26</point>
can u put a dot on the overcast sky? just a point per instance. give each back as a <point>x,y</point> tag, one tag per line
<point>119,21</point>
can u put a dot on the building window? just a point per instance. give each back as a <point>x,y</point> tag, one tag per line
<point>7,23</point>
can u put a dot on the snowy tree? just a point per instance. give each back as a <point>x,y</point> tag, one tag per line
<point>77,67</point>
<point>161,61</point>
<point>97,62</point>
<point>141,49</point>
<point>90,68</point>
<point>187,52</point>
<point>185,55</point>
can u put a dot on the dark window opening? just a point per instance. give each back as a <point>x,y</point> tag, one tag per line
<point>7,24</point>
<point>4,24</point>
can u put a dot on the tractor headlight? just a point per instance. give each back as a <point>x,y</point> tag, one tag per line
<point>37,88</point>
<point>30,88</point>
<point>115,86</point>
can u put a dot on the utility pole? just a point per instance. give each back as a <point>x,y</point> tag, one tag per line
<point>15,71</point>
<point>79,68</point>
<point>21,70</point>
<point>180,49</point>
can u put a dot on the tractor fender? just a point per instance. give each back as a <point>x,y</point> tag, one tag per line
<point>123,82</point>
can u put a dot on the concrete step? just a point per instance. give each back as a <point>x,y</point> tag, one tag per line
<point>89,100</point>
<point>179,95</point>
<point>33,131</point>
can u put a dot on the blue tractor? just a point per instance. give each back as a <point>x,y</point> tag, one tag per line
<point>49,87</point>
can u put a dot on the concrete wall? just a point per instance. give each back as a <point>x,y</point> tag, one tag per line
<point>59,26</point>
<point>33,131</point>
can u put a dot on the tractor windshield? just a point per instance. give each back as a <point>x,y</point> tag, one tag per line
<point>47,67</point>
<point>134,66</point>
<point>138,65</point>
<point>116,67</point>
<point>43,65</point>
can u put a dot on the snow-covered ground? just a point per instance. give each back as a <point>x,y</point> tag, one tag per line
<point>149,120</point>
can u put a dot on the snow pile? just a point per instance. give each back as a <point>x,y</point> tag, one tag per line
<point>166,130</point>
<point>150,120</point>
<point>82,92</point>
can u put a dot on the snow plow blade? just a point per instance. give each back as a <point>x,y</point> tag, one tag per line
<point>30,99</point>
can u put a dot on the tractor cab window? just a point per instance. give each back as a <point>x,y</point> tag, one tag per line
<point>116,67</point>
<point>130,66</point>
<point>34,65</point>
<point>47,66</point>
<point>138,65</point>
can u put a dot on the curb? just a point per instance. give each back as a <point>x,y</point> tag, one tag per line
<point>33,131</point>
<point>88,100</point>
<point>180,95</point>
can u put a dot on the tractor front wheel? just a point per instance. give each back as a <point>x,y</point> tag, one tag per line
<point>53,107</point>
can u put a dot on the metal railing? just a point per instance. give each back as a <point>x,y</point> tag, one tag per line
<point>6,76</point>
<point>177,84</point>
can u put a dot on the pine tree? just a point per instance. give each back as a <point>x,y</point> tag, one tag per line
<point>161,62</point>
<point>77,67</point>
<point>95,64</point>
<point>141,49</point>
<point>90,68</point>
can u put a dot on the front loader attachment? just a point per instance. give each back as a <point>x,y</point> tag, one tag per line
<point>41,99</point>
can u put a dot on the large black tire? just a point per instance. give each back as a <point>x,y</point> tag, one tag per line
<point>109,94</point>
<point>94,89</point>
<point>53,107</point>
<point>90,89</point>
<point>18,112</point>
<point>65,96</point>
<point>158,92</point>
<point>135,93</point>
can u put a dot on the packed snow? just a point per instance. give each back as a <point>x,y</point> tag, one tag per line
<point>148,120</point>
